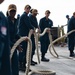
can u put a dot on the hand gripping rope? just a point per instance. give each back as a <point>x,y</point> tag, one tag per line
<point>37,35</point>
<point>28,51</point>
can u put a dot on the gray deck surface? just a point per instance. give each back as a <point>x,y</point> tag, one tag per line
<point>64,65</point>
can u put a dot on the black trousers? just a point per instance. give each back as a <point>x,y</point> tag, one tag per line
<point>33,46</point>
<point>44,46</point>
<point>71,42</point>
<point>22,55</point>
<point>5,59</point>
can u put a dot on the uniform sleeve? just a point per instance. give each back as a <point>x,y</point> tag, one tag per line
<point>37,23</point>
<point>40,25</point>
<point>17,36</point>
<point>2,38</point>
<point>51,24</point>
<point>2,35</point>
<point>69,25</point>
<point>3,32</point>
<point>3,28</point>
<point>27,22</point>
<point>33,21</point>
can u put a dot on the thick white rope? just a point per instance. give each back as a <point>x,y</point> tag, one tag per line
<point>45,30</point>
<point>42,72</point>
<point>36,43</point>
<point>50,38</point>
<point>29,48</point>
<point>28,51</point>
<point>30,33</point>
<point>37,35</point>
<point>17,43</point>
<point>59,39</point>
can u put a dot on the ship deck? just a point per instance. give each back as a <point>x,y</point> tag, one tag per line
<point>64,65</point>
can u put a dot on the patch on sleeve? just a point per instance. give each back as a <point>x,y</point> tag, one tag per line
<point>4,30</point>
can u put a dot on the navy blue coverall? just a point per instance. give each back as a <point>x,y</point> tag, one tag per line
<point>24,28</point>
<point>13,38</point>
<point>34,23</point>
<point>5,68</point>
<point>44,40</point>
<point>71,37</point>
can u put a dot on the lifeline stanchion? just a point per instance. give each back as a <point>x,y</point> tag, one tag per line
<point>61,33</point>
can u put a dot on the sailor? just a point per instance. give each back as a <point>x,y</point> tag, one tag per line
<point>24,28</point>
<point>45,22</point>
<point>34,23</point>
<point>4,46</point>
<point>71,37</point>
<point>13,32</point>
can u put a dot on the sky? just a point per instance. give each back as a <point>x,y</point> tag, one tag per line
<point>58,8</point>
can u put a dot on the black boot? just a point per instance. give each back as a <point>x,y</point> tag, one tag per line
<point>44,59</point>
<point>20,65</point>
<point>72,54</point>
<point>34,62</point>
<point>23,68</point>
